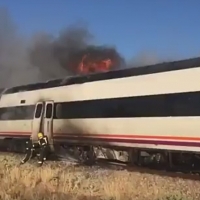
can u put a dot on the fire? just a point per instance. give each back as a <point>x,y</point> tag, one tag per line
<point>93,60</point>
<point>89,64</point>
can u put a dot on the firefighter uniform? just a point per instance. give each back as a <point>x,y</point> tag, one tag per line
<point>30,151</point>
<point>43,143</point>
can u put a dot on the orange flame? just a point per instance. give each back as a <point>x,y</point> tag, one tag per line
<point>88,65</point>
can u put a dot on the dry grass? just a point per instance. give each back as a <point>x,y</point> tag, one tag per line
<point>61,181</point>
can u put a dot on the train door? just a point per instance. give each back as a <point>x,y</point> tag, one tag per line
<point>48,122</point>
<point>37,120</point>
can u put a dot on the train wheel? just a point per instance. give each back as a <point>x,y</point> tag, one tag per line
<point>87,155</point>
<point>134,157</point>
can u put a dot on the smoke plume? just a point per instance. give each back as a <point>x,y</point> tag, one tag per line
<point>150,58</point>
<point>52,54</point>
<point>13,57</point>
<point>45,56</point>
<point>63,54</point>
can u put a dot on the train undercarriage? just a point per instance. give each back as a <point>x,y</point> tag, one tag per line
<point>155,158</point>
<point>88,155</point>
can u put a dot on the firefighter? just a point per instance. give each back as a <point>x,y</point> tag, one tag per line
<point>43,143</point>
<point>30,151</point>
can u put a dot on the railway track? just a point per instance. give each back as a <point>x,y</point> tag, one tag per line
<point>185,174</point>
<point>118,165</point>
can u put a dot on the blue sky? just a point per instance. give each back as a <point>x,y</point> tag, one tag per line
<point>164,27</point>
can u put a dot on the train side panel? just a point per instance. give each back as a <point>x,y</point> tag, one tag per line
<point>141,85</point>
<point>15,128</point>
<point>125,125</point>
<point>160,133</point>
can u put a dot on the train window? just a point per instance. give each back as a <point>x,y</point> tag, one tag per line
<point>58,110</point>
<point>23,101</point>
<point>49,110</point>
<point>38,111</point>
<point>7,114</point>
<point>185,104</point>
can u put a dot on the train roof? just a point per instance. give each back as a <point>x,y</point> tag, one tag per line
<point>122,73</point>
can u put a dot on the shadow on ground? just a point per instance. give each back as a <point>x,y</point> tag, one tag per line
<point>111,165</point>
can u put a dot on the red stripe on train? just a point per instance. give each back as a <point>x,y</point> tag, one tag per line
<point>113,136</point>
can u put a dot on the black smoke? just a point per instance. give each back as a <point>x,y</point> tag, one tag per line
<point>52,54</point>
<point>45,56</point>
<point>66,50</point>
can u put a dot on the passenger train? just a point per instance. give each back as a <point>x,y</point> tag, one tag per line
<point>154,109</point>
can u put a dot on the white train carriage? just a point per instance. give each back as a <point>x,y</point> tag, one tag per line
<point>154,107</point>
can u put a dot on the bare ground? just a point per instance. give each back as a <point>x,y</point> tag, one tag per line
<point>65,181</point>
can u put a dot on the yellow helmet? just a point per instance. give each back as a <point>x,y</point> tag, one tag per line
<point>40,135</point>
